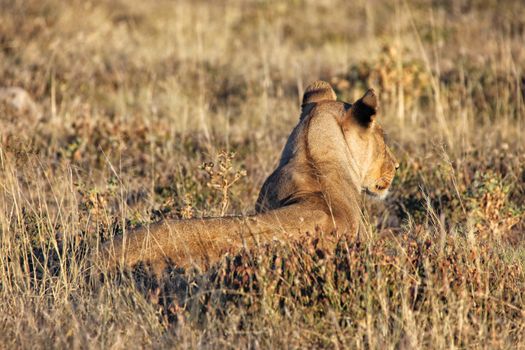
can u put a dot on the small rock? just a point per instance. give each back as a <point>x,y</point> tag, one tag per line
<point>18,107</point>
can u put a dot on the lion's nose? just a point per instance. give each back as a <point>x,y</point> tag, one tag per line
<point>396,165</point>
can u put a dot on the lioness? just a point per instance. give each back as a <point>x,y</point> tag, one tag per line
<point>336,151</point>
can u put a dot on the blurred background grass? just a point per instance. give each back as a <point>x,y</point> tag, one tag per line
<point>127,99</point>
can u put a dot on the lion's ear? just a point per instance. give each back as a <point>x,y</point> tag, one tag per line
<point>364,109</point>
<point>318,91</point>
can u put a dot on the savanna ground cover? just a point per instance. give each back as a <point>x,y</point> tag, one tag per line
<point>136,111</point>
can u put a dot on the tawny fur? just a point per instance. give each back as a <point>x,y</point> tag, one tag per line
<point>335,152</point>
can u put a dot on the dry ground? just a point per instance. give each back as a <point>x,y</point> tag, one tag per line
<point>132,97</point>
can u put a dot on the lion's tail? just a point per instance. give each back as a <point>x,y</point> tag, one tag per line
<point>202,241</point>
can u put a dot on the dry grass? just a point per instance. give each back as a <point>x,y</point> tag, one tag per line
<point>132,98</point>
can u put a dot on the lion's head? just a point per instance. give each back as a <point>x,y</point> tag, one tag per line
<point>336,150</point>
<point>370,158</point>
